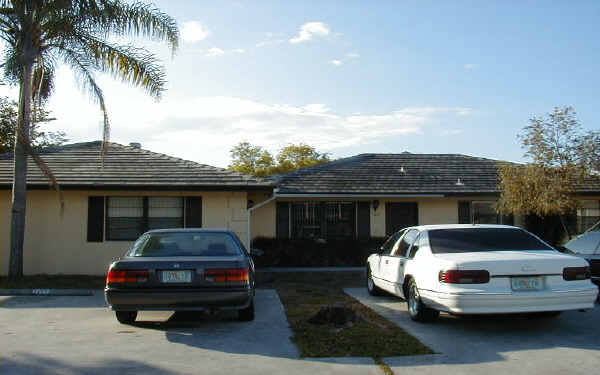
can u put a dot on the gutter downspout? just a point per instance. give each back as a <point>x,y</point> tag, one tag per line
<point>261,204</point>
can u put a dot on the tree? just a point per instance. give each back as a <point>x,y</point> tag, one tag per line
<point>249,159</point>
<point>9,113</point>
<point>257,161</point>
<point>39,34</point>
<point>298,156</point>
<point>562,157</point>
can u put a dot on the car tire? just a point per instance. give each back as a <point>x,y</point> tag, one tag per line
<point>416,308</point>
<point>247,314</point>
<point>126,317</point>
<point>373,289</point>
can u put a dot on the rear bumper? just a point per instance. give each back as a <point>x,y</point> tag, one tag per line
<point>481,303</point>
<point>192,299</point>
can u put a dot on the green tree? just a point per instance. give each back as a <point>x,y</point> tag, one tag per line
<point>292,157</point>
<point>39,34</point>
<point>9,115</point>
<point>562,157</point>
<point>250,159</point>
<point>257,161</point>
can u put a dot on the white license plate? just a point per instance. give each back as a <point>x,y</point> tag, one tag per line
<point>176,276</point>
<point>527,283</point>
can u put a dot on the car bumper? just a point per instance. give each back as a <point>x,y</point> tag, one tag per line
<point>194,299</point>
<point>498,303</point>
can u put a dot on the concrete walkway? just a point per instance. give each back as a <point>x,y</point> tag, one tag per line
<point>500,344</point>
<point>79,335</point>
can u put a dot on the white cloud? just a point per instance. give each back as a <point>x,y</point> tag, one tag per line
<point>205,128</point>
<point>352,55</point>
<point>335,62</point>
<point>317,107</point>
<point>471,66</point>
<point>238,50</point>
<point>193,31</point>
<point>215,52</point>
<point>309,30</point>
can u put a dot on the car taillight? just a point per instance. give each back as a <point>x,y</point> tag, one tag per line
<point>464,276</point>
<point>227,275</point>
<point>576,273</point>
<point>127,276</point>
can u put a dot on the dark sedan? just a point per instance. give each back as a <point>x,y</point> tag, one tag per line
<point>182,269</point>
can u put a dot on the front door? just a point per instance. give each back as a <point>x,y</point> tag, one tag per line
<point>400,215</point>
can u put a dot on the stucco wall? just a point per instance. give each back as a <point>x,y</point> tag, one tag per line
<point>58,244</point>
<point>263,221</point>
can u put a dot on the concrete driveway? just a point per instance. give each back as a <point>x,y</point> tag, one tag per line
<point>501,344</point>
<point>78,335</point>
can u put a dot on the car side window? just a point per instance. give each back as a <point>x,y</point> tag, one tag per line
<point>388,245</point>
<point>405,242</point>
<point>415,247</point>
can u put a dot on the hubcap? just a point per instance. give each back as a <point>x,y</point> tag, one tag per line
<point>370,282</point>
<point>413,300</point>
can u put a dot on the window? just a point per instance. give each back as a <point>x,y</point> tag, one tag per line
<point>481,212</point>
<point>323,219</point>
<point>387,247</point>
<point>484,212</point>
<point>587,215</point>
<point>482,239</point>
<point>415,246</point>
<point>186,244</point>
<point>405,243</point>
<point>128,217</point>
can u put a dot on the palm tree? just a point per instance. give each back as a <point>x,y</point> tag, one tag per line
<point>40,34</point>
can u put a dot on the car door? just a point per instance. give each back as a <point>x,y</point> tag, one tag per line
<point>384,251</point>
<point>394,263</point>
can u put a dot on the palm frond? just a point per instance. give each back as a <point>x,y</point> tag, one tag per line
<point>83,68</point>
<point>130,64</point>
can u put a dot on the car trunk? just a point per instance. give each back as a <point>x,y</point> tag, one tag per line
<point>179,272</point>
<point>512,262</point>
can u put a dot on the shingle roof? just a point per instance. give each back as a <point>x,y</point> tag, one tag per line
<point>79,165</point>
<point>404,173</point>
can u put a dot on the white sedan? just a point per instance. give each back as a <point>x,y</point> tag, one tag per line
<point>478,269</point>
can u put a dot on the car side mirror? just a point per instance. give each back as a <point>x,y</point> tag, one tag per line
<point>257,252</point>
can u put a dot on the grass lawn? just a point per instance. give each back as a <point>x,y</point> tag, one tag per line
<point>304,293</point>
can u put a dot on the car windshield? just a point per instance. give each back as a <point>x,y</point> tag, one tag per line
<point>467,240</point>
<point>185,244</point>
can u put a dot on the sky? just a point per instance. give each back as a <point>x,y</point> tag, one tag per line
<point>350,77</point>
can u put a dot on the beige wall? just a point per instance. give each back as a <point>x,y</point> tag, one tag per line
<point>431,211</point>
<point>55,244</point>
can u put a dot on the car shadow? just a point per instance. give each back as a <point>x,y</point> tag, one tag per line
<point>487,338</point>
<point>27,363</point>
<point>95,300</point>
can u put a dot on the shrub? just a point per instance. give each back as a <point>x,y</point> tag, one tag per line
<point>314,253</point>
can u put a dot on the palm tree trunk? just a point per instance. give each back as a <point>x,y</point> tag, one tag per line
<point>19,191</point>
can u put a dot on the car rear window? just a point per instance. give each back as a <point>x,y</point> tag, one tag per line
<point>185,244</point>
<point>467,240</point>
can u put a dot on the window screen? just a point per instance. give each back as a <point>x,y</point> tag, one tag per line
<point>165,212</point>
<point>125,218</point>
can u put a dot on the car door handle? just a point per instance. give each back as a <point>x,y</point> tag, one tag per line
<point>401,263</point>
<point>386,261</point>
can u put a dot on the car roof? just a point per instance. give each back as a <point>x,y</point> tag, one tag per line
<point>461,226</point>
<point>195,230</point>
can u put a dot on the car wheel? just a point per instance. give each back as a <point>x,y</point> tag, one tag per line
<point>126,317</point>
<point>416,308</point>
<point>371,287</point>
<point>247,314</point>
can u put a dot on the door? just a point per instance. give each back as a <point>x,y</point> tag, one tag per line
<point>384,251</point>
<point>400,215</point>
<point>394,264</point>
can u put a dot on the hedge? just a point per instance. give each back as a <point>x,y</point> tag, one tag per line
<point>314,253</point>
